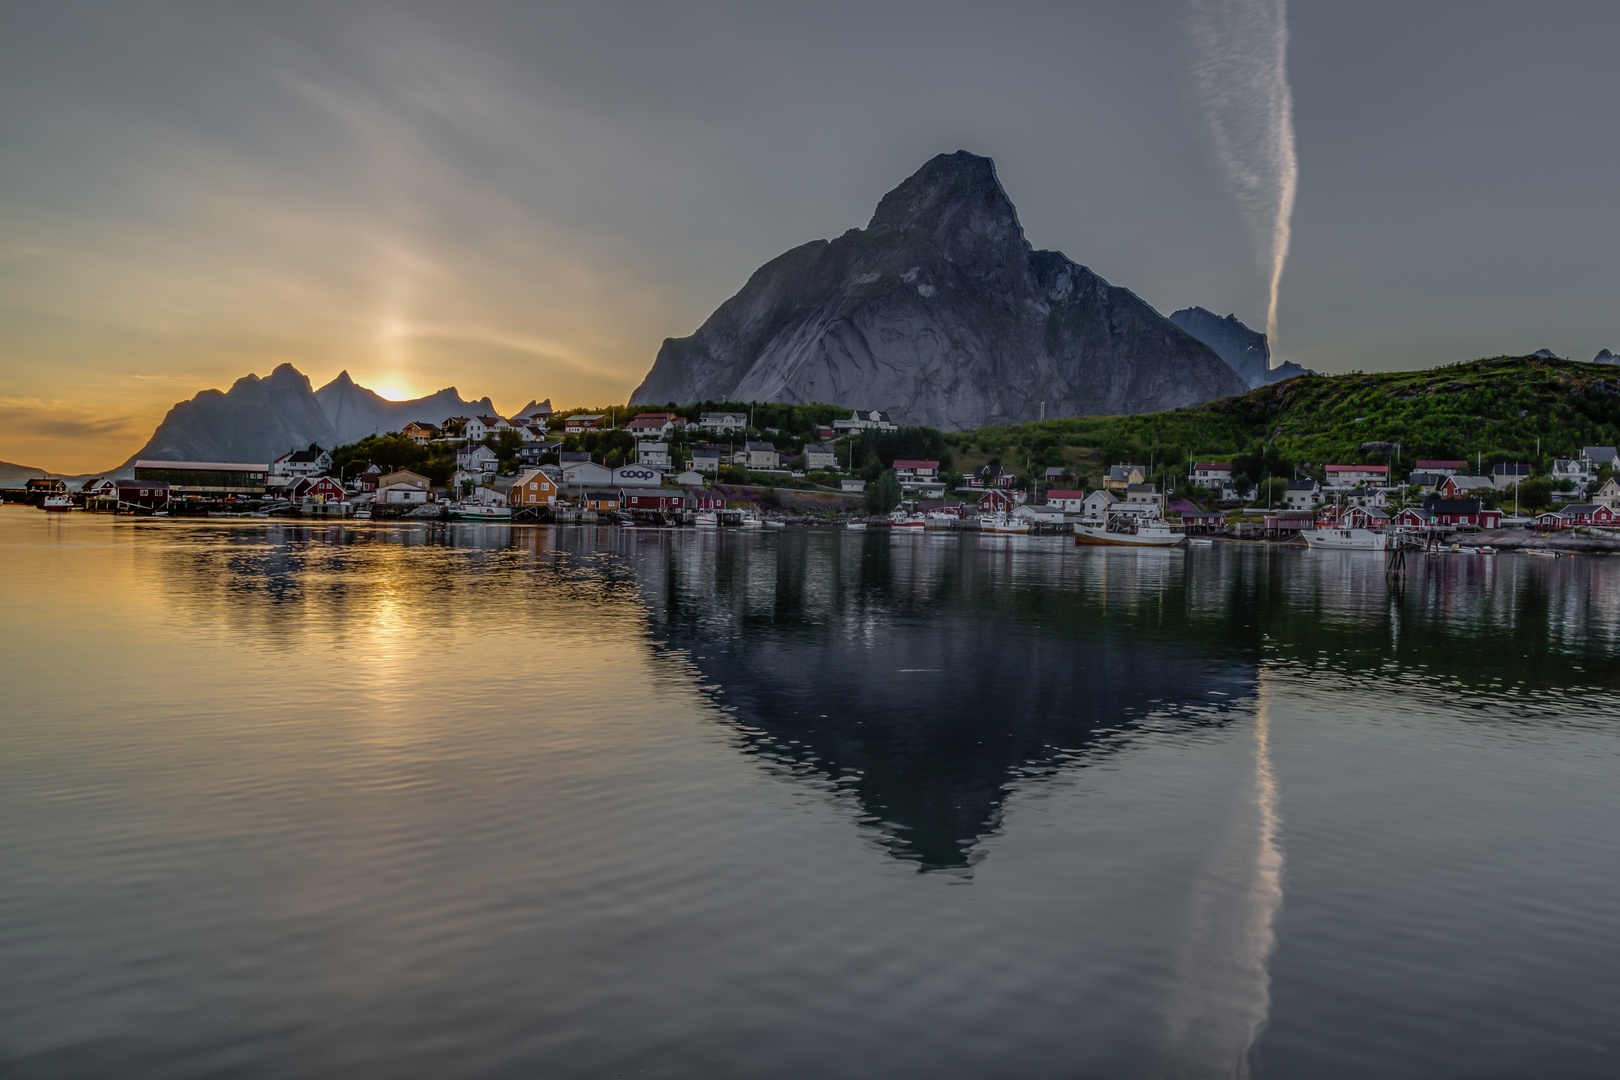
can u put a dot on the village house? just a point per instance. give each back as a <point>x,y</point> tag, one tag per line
<point>480,428</point>
<point>689,478</point>
<point>531,452</point>
<point>1121,477</point>
<point>706,459</point>
<point>852,486</point>
<point>420,433</point>
<point>99,487</point>
<point>907,471</point>
<point>1099,506</point>
<point>316,489</point>
<point>996,501</point>
<point>477,459</point>
<point>1365,517</point>
<point>1302,494</point>
<point>539,412</point>
<point>402,486</point>
<point>1214,475</point>
<point>206,479</point>
<point>655,454</point>
<point>1577,471</point>
<point>367,479</point>
<point>1609,494</point>
<point>1413,517</point>
<point>1440,468</point>
<point>299,463</point>
<point>1426,481</point>
<point>1070,502</point>
<point>1349,476</point>
<point>820,456</point>
<point>1203,521</point>
<point>864,420</point>
<point>533,488</point>
<point>1462,513</point>
<point>463,480</point>
<point>1507,476</point>
<point>600,500</point>
<point>1458,487</point>
<point>723,423</point>
<point>665,499</point>
<point>652,425</point>
<point>990,476</point>
<point>454,426</point>
<point>1568,517</point>
<point>150,494</point>
<point>763,455</point>
<point>581,423</point>
<point>1039,514</point>
<point>1599,456</point>
<point>1142,500</point>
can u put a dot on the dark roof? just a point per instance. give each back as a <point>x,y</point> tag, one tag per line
<point>769,448</point>
<point>1418,512</point>
<point>989,472</point>
<point>598,496</point>
<point>1421,478</point>
<point>1510,470</point>
<point>817,448</point>
<point>1452,506</point>
<point>568,456</point>
<point>305,456</point>
<point>143,483</point>
<point>1578,508</point>
<point>1302,485</point>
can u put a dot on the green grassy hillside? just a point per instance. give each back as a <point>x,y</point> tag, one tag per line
<point>1522,409</point>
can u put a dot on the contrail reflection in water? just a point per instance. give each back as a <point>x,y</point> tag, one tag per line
<point>1221,996</point>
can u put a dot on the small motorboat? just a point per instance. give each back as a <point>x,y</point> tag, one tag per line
<point>1541,551</point>
<point>56,504</point>
<point>362,515</point>
<point>856,525</point>
<point>1200,541</point>
<point>752,522</point>
<point>1005,524</point>
<point>1340,539</point>
<point>708,519</point>
<point>466,511</point>
<point>772,523</point>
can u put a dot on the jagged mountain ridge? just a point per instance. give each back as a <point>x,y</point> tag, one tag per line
<point>941,313</point>
<point>261,419</point>
<point>1246,351</point>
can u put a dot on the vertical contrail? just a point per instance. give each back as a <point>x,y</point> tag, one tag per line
<point>1241,73</point>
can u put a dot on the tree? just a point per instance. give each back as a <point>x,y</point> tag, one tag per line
<point>884,494</point>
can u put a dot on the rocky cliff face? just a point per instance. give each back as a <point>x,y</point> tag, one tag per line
<point>261,419</point>
<point>940,312</point>
<point>1246,351</point>
<point>1604,356</point>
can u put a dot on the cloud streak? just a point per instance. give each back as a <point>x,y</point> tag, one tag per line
<point>1241,74</point>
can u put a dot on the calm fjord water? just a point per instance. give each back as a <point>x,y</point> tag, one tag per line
<point>399,801</point>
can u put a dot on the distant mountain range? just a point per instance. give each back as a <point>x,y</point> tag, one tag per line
<point>941,313</point>
<point>1246,351</point>
<point>261,419</point>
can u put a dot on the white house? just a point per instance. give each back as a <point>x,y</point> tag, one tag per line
<point>852,486</point>
<point>1599,456</point>
<point>636,476</point>
<point>865,420</point>
<point>651,425</point>
<point>1507,476</point>
<point>1347,476</point>
<point>1097,507</point>
<point>1609,494</point>
<point>1214,475</point>
<point>1302,494</point>
<point>297,464</point>
<point>1142,500</point>
<point>763,455</point>
<point>719,423</point>
<point>402,493</point>
<point>1068,502</point>
<point>689,478</point>
<point>706,459</point>
<point>482,427</point>
<point>819,456</point>
<point>1037,513</point>
<point>478,459</point>
<point>1578,471</point>
<point>907,471</point>
<point>462,479</point>
<point>655,454</point>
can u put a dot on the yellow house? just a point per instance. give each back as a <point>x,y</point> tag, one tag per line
<point>1121,477</point>
<point>534,488</point>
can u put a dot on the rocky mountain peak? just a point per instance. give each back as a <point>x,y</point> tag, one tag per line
<point>957,202</point>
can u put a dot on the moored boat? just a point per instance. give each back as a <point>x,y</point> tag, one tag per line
<point>902,520</point>
<point>480,512</point>
<point>1151,533</point>
<point>1003,523</point>
<point>707,519</point>
<point>1342,539</point>
<point>56,504</point>
<point>856,525</point>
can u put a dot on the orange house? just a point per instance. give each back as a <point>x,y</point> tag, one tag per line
<point>534,488</point>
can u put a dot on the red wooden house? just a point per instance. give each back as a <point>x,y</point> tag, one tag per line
<point>657,499</point>
<point>317,489</point>
<point>996,501</point>
<point>1462,513</point>
<point>1574,514</point>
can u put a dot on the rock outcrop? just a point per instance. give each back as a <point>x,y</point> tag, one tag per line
<point>941,313</point>
<point>1246,351</point>
<point>1604,356</point>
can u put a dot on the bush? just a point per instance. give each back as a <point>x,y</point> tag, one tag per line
<point>883,495</point>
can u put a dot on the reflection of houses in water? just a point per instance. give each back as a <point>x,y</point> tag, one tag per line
<point>927,678</point>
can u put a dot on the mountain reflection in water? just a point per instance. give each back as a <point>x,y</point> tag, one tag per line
<point>926,685</point>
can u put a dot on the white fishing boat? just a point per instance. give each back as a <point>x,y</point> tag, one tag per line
<point>1003,523</point>
<point>707,519</point>
<point>463,511</point>
<point>752,522</point>
<point>1541,551</point>
<point>1121,532</point>
<point>856,525</point>
<point>56,504</point>
<point>1336,538</point>
<point>902,520</point>
<point>362,515</point>
<point>1200,541</point>
<point>772,523</point>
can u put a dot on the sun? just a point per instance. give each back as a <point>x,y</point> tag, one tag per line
<point>391,392</point>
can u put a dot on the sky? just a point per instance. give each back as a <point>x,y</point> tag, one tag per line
<point>524,199</point>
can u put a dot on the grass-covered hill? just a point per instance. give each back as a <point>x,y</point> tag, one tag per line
<point>1521,409</point>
